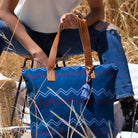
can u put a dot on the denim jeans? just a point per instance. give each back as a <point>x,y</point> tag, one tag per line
<point>106,42</point>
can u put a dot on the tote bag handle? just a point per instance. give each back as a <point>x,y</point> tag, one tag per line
<point>85,40</point>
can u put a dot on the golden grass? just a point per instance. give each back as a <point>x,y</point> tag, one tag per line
<point>122,13</point>
<point>7,97</point>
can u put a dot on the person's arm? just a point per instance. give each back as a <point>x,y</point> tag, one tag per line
<point>96,14</point>
<point>7,15</point>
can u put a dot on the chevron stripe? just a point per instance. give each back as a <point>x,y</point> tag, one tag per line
<point>67,68</point>
<point>56,103</point>
<point>102,101</point>
<point>72,121</point>
<point>70,73</point>
<point>43,75</point>
<point>105,66</point>
<point>76,92</point>
<point>76,102</point>
<point>45,69</point>
<point>46,134</point>
<point>65,74</point>
<point>60,91</point>
<point>112,95</point>
<point>98,132</point>
<point>72,67</point>
<point>102,91</point>
<point>34,69</point>
<point>105,73</point>
<point>33,77</point>
<point>101,131</point>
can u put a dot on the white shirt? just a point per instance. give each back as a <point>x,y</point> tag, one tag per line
<point>44,15</point>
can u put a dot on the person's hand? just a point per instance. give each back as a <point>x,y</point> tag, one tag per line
<point>68,20</point>
<point>40,60</point>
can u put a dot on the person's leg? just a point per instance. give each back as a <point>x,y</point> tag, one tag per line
<point>110,50</point>
<point>1,43</point>
<point>70,43</point>
<point>5,36</point>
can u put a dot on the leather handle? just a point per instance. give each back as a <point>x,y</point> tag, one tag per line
<point>85,39</point>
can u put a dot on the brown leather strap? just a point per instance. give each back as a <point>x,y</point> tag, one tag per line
<point>85,39</point>
<point>52,57</point>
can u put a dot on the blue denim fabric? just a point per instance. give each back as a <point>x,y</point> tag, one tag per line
<point>15,47</point>
<point>107,43</point>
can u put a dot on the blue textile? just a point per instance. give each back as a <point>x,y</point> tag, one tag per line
<point>107,43</point>
<point>86,89</point>
<point>96,113</point>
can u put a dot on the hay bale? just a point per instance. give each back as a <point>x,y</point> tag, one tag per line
<point>7,98</point>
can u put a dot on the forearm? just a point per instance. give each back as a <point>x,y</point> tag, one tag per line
<point>94,16</point>
<point>20,34</point>
<point>7,8</point>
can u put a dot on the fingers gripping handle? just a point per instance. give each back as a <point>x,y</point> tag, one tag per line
<point>85,39</point>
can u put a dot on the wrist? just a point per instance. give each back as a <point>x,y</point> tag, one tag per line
<point>40,58</point>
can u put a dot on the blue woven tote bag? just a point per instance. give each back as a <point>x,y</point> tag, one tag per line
<point>74,101</point>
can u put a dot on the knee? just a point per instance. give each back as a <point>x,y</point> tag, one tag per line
<point>2,36</point>
<point>4,28</point>
<point>4,32</point>
<point>1,42</point>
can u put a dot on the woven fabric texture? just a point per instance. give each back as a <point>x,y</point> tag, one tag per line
<point>94,116</point>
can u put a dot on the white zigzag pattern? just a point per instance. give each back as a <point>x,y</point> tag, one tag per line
<point>33,69</point>
<point>66,68</point>
<point>72,90</point>
<point>72,67</point>
<point>111,94</point>
<point>73,120</point>
<point>101,91</point>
